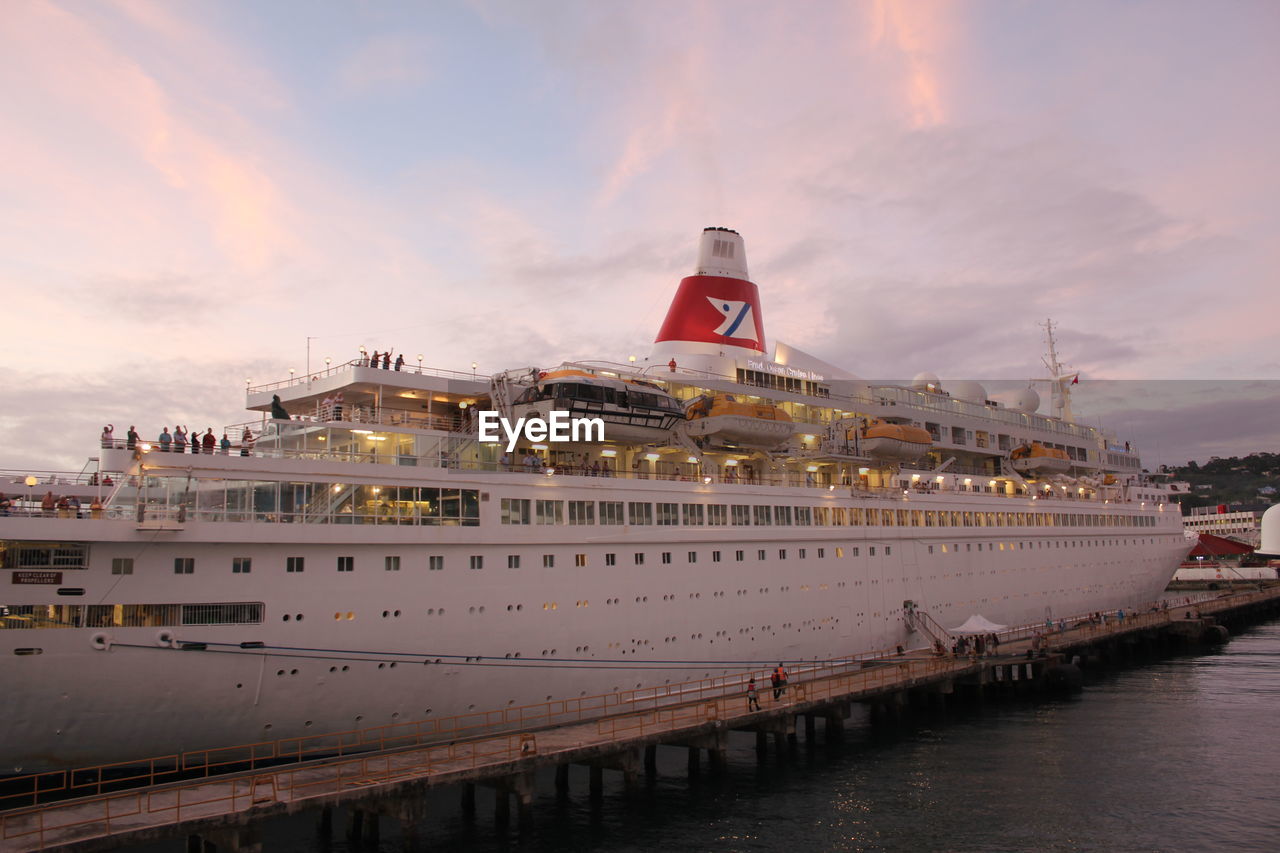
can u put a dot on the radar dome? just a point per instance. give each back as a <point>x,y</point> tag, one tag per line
<point>926,382</point>
<point>967,389</point>
<point>1270,545</point>
<point>1026,400</point>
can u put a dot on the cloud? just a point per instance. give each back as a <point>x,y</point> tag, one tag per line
<point>388,63</point>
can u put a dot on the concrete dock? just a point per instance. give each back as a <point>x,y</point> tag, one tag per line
<point>391,779</point>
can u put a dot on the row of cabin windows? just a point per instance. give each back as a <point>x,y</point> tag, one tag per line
<point>530,511</point>
<point>391,563</point>
<point>435,563</point>
<point>292,565</point>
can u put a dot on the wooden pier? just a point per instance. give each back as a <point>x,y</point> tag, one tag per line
<point>392,773</point>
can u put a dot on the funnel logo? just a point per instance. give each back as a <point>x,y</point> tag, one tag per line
<point>737,315</point>
<point>715,310</point>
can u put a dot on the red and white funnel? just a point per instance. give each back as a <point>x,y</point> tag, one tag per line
<point>716,311</point>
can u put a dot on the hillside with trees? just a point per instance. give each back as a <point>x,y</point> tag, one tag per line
<point>1252,479</point>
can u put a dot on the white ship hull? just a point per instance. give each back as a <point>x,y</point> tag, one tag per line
<point>356,656</point>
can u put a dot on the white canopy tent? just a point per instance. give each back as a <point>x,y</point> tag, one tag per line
<point>978,624</point>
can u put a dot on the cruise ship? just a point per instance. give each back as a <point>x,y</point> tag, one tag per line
<point>359,556</point>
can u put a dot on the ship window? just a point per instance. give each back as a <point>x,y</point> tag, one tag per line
<point>582,512</point>
<point>822,516</point>
<point>886,517</point>
<point>739,555</point>
<point>694,515</point>
<point>550,512</point>
<point>294,564</point>
<point>346,564</point>
<point>782,516</point>
<point>760,555</point>
<point>548,561</point>
<point>693,556</point>
<point>16,554</point>
<point>579,560</point>
<point>888,549</point>
<point>611,512</point>
<point>477,561</point>
<point>741,515</point>
<point>761,514</point>
<point>715,556</point>
<point>515,510</point>
<point>391,564</point>
<point>803,553</point>
<point>435,563</point>
<point>855,551</point>
<point>666,557</point>
<point>782,553</point>
<point>930,549</point>
<point>239,565</point>
<point>804,516</point>
<point>639,558</point>
<point>839,553</point>
<point>857,517</point>
<point>871,551</point>
<point>822,553</point>
<point>122,565</point>
<point>668,514</point>
<point>639,513</point>
<point>184,565</point>
<point>610,559</point>
<point>218,614</point>
<point>717,515</point>
<point>513,561</point>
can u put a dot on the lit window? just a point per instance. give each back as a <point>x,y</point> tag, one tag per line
<point>579,560</point>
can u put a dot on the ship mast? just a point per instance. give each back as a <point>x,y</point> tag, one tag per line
<point>1059,384</point>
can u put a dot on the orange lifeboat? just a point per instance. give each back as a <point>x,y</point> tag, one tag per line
<point>886,440</point>
<point>725,418</point>
<point>1035,458</point>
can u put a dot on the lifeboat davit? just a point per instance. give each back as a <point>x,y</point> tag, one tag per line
<point>886,440</point>
<point>725,418</point>
<point>1035,458</point>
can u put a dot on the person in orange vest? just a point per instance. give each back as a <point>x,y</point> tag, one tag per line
<point>753,698</point>
<point>779,680</point>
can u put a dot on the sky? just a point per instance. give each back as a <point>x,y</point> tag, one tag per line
<point>191,193</point>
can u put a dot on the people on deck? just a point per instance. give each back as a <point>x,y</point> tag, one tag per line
<point>107,433</point>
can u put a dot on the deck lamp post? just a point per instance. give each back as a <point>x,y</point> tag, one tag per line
<point>30,481</point>
<point>419,362</point>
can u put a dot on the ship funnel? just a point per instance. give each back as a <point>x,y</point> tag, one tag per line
<point>716,311</point>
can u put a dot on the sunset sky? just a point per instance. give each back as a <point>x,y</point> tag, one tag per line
<point>191,190</point>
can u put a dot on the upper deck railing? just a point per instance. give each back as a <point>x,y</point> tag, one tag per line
<point>333,370</point>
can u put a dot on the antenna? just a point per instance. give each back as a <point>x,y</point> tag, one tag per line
<point>1058,387</point>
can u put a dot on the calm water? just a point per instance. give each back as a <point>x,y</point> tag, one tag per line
<point>1180,754</point>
